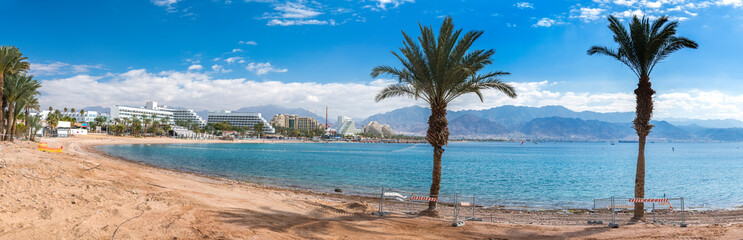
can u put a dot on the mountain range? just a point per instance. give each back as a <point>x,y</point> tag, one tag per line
<point>518,122</point>
<point>557,123</point>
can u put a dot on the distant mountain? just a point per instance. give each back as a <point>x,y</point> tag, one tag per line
<point>268,111</point>
<point>723,134</point>
<point>409,120</point>
<point>575,129</point>
<point>710,123</point>
<point>514,115</point>
<point>474,127</point>
<point>549,122</point>
<point>98,109</point>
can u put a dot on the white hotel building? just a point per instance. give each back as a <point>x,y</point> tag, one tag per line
<point>160,113</point>
<point>149,111</point>
<point>240,119</point>
<point>88,116</point>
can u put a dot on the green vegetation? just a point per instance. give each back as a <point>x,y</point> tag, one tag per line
<point>16,89</point>
<point>439,70</point>
<point>644,46</point>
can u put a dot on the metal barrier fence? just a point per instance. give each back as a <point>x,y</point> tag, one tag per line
<point>613,210</point>
<point>455,208</point>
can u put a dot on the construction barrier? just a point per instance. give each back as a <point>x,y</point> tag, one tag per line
<point>45,148</point>
<point>454,208</point>
<point>614,210</point>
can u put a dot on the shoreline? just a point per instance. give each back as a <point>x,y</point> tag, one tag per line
<point>543,207</point>
<point>83,193</point>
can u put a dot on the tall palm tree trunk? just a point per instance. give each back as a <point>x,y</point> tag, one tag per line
<point>644,110</point>
<point>2,106</point>
<point>9,127</point>
<point>438,136</point>
<point>25,122</point>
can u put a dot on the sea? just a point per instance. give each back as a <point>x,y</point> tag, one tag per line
<point>546,175</point>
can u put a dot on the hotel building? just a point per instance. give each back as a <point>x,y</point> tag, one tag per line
<point>160,112</point>
<point>88,116</point>
<point>148,111</point>
<point>346,126</point>
<point>240,119</point>
<point>295,122</point>
<point>186,115</point>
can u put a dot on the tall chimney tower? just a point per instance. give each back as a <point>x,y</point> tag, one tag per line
<point>326,117</point>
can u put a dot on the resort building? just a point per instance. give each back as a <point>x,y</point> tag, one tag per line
<point>240,119</point>
<point>149,111</point>
<point>87,116</point>
<point>186,115</point>
<point>377,129</point>
<point>161,112</point>
<point>295,122</point>
<point>346,126</point>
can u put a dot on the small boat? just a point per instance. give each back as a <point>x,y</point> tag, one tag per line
<point>45,148</point>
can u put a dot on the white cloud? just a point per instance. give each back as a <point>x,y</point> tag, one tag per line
<point>195,67</point>
<point>233,60</point>
<point>236,50</point>
<point>544,22</point>
<point>58,68</point>
<point>200,91</point>
<point>295,13</point>
<point>248,42</point>
<point>523,5</point>
<point>587,14</point>
<point>735,3</point>
<point>382,4</point>
<point>263,68</point>
<point>652,4</point>
<point>294,10</point>
<point>279,22</point>
<point>220,68</point>
<point>629,13</point>
<point>625,2</point>
<point>169,5</point>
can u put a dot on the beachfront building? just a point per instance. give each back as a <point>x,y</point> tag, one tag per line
<point>346,126</point>
<point>186,115</point>
<point>377,129</point>
<point>240,119</point>
<point>295,122</point>
<point>87,116</point>
<point>151,109</point>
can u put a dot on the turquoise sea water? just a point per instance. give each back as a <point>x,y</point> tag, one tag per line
<point>545,175</point>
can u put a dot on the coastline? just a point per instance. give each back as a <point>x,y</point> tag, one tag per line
<point>83,193</point>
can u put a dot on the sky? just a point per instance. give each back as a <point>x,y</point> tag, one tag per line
<point>227,54</point>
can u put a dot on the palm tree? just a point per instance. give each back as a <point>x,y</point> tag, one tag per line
<point>52,119</point>
<point>65,110</point>
<point>32,104</point>
<point>33,124</point>
<point>644,46</point>
<point>438,71</point>
<point>146,120</point>
<point>12,61</point>
<point>16,89</point>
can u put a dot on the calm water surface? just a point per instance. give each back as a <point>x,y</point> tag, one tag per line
<point>545,175</point>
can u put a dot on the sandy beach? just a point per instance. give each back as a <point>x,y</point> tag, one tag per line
<point>83,194</point>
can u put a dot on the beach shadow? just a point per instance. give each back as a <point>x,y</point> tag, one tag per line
<point>315,224</point>
<point>526,233</point>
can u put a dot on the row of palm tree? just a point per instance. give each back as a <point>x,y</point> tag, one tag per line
<point>18,94</point>
<point>439,69</point>
<point>138,127</point>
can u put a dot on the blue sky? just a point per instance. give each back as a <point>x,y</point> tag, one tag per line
<point>227,54</point>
